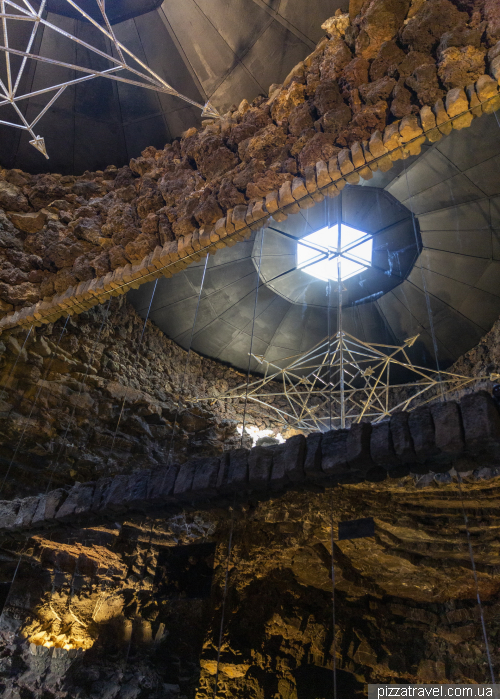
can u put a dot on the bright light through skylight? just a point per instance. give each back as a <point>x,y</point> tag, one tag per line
<point>352,252</point>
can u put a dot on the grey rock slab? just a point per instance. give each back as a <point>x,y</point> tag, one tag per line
<point>138,488</point>
<point>358,447</point>
<point>47,506</point>
<point>449,433</point>
<point>161,484</point>
<point>421,427</point>
<point>260,465</point>
<point>26,512</point>
<point>312,460</point>
<point>79,500</point>
<point>100,493</point>
<point>237,473</point>
<point>184,480</point>
<point>8,513</point>
<point>382,448</point>
<point>116,496</point>
<point>401,438</point>
<point>481,421</point>
<point>293,453</point>
<point>334,454</point>
<point>205,477</point>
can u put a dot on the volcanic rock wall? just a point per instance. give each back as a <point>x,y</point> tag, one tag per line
<point>63,390</point>
<point>366,90</point>
<point>134,610</point>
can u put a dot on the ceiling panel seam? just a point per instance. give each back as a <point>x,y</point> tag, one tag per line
<point>446,276</point>
<point>181,51</point>
<point>452,308</point>
<point>270,343</point>
<point>415,323</point>
<point>455,252</point>
<point>285,23</point>
<point>238,58</point>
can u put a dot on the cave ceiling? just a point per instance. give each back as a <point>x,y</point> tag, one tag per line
<point>436,271</point>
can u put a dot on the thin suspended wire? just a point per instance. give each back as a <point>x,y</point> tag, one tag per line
<point>251,338</point>
<point>329,331</point>
<point>21,437</point>
<point>82,385</point>
<point>426,293</point>
<point>226,578</point>
<point>329,353</point>
<point>133,368</point>
<point>186,363</point>
<point>340,321</point>
<point>476,582</point>
<point>18,357</point>
<point>334,643</point>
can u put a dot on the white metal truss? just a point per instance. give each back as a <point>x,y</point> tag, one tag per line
<point>124,60</point>
<point>340,382</point>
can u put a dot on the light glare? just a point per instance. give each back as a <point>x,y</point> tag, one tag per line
<point>350,255</point>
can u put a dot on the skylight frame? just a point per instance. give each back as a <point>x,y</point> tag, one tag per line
<point>330,254</point>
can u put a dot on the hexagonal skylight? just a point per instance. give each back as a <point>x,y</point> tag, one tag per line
<point>338,251</point>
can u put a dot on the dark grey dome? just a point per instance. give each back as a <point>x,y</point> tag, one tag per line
<point>451,288</point>
<point>217,50</point>
<point>396,244</point>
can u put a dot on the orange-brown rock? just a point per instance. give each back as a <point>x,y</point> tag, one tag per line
<point>380,22</point>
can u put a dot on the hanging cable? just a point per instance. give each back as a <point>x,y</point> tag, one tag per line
<point>251,337</point>
<point>476,582</point>
<point>133,368</point>
<point>329,353</point>
<point>334,642</point>
<point>424,284</point>
<point>186,363</point>
<point>340,333</point>
<point>82,385</point>
<point>328,329</point>
<point>37,395</point>
<point>226,578</point>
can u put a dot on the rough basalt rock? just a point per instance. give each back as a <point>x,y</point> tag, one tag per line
<point>65,390</point>
<point>459,67</point>
<point>379,22</point>
<point>95,611</point>
<point>434,18</point>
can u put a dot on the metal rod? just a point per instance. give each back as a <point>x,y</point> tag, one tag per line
<point>28,48</point>
<point>252,335</point>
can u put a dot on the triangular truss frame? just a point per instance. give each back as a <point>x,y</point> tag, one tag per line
<point>342,381</point>
<point>23,11</point>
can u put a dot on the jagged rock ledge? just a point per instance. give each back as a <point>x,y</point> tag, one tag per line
<point>437,438</point>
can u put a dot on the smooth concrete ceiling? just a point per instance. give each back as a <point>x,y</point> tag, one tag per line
<point>217,50</point>
<point>452,290</point>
